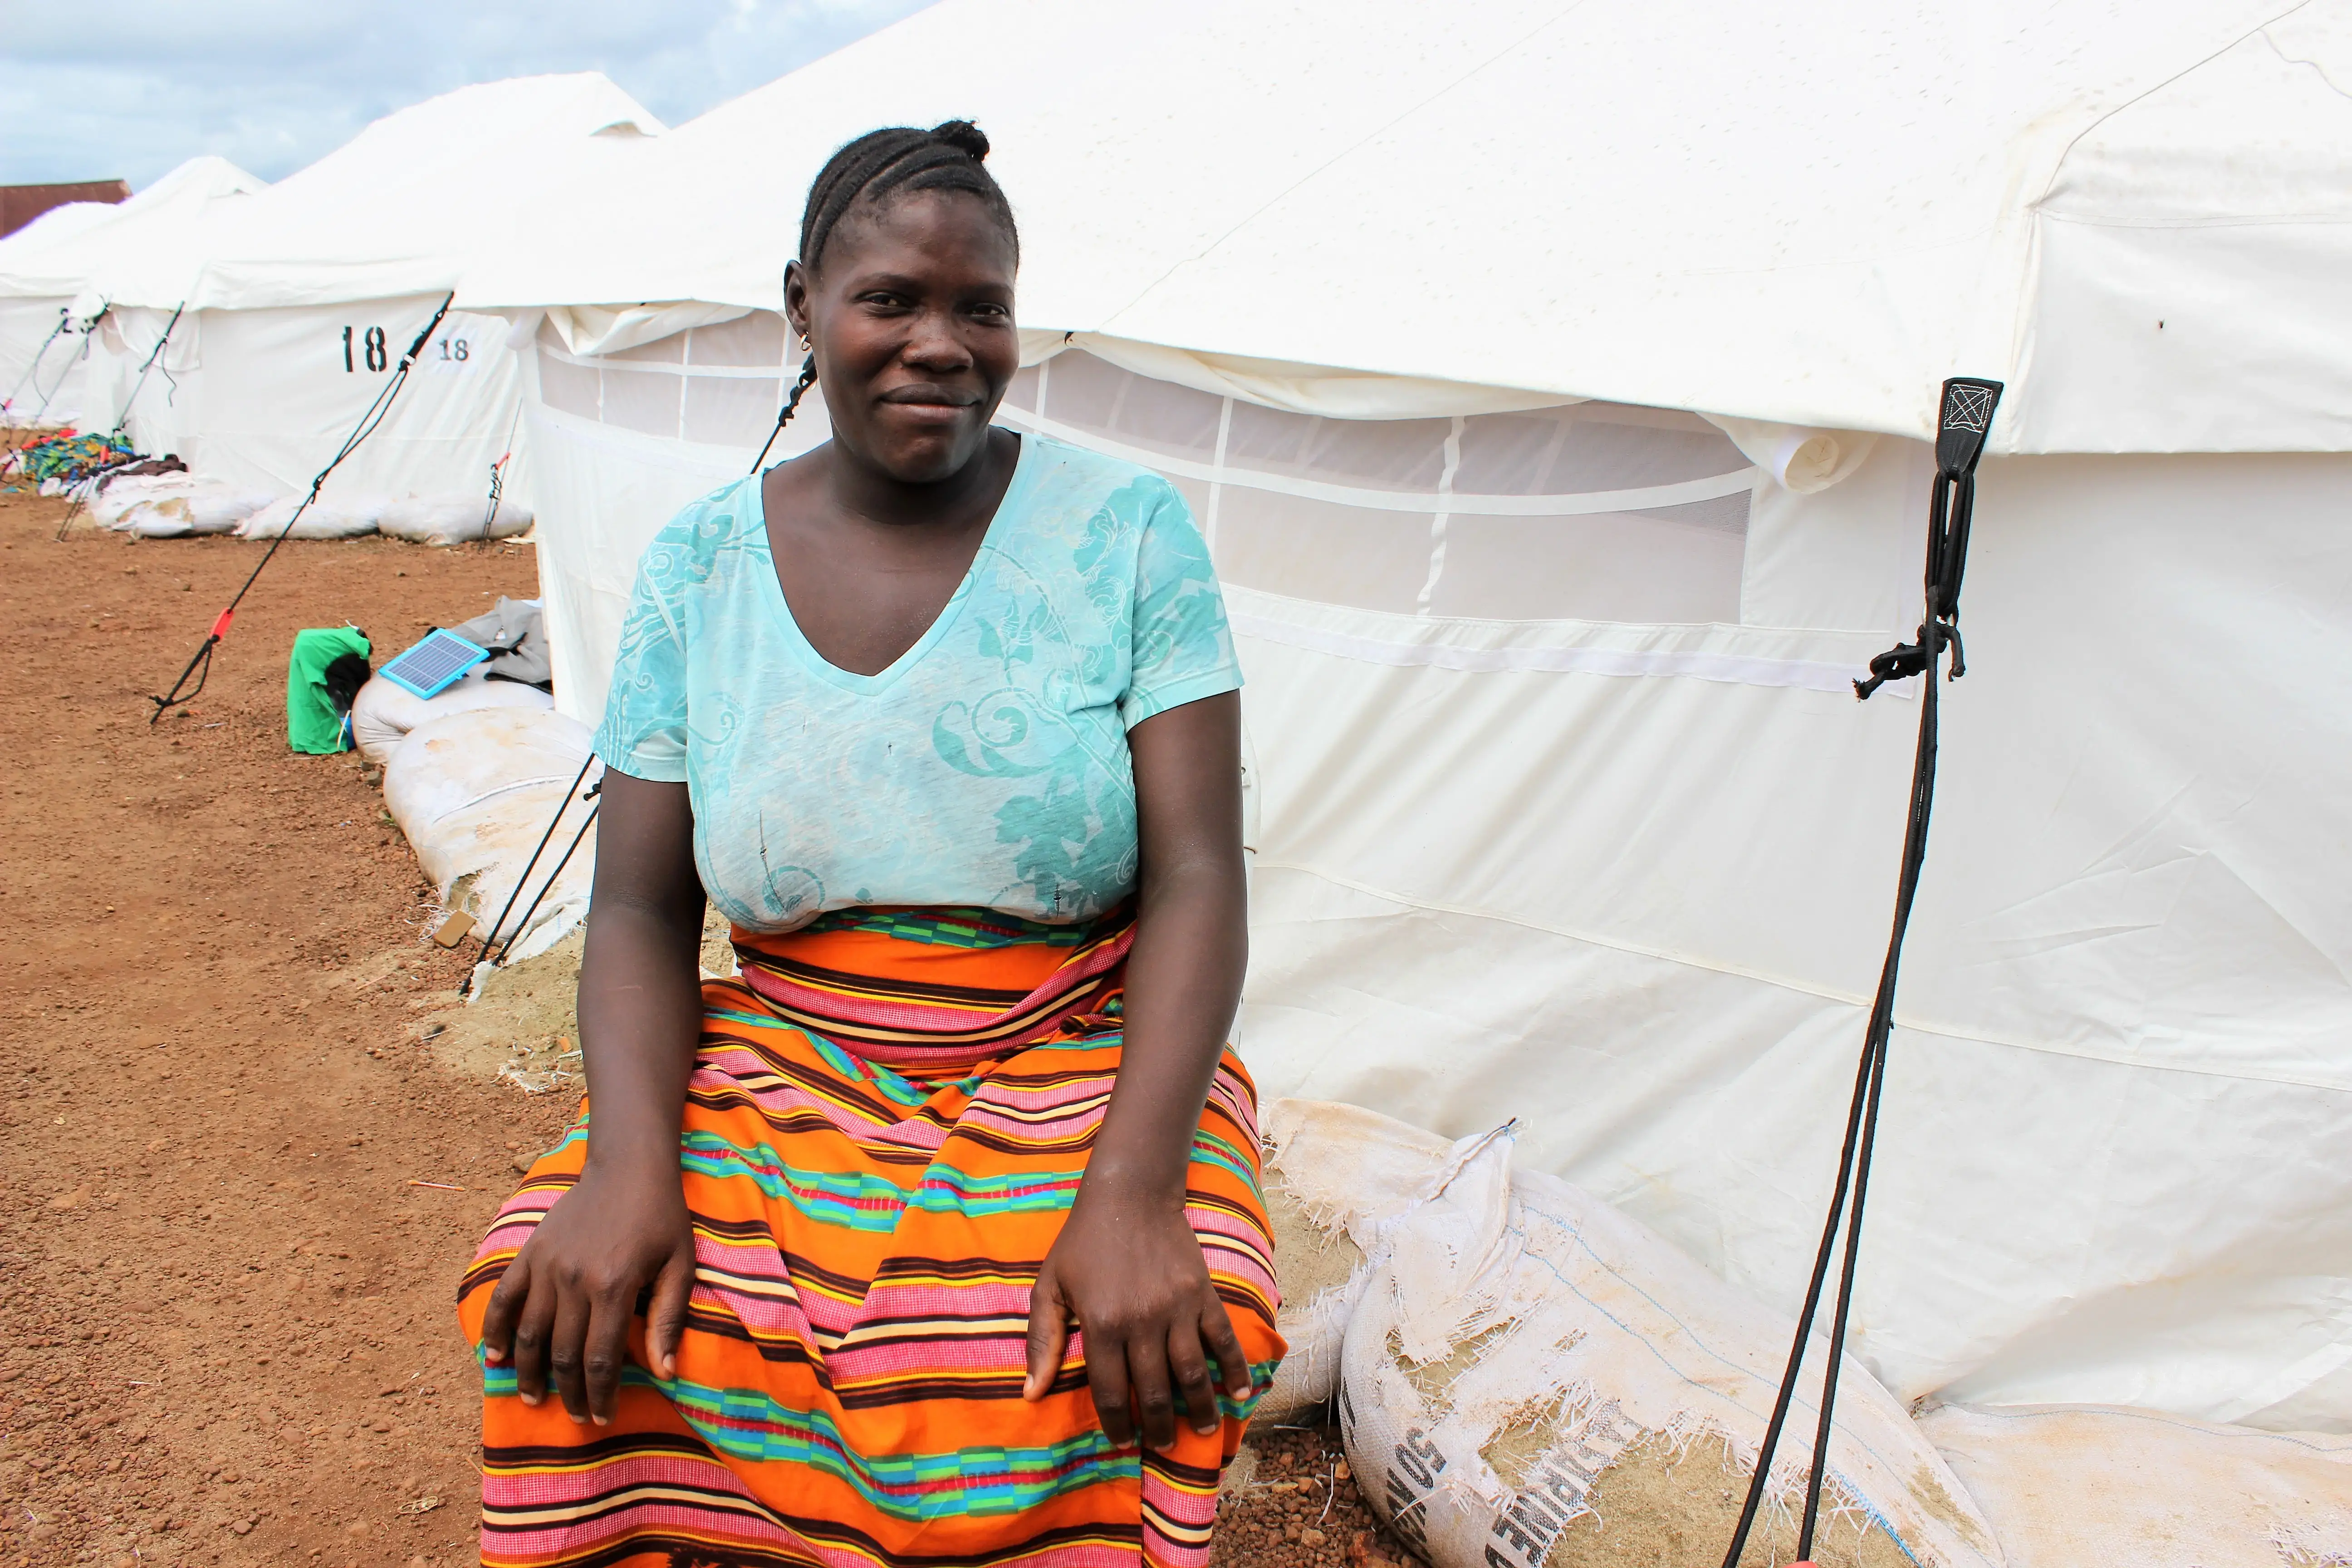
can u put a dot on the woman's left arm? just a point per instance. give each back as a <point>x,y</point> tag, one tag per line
<point>1127,1268</point>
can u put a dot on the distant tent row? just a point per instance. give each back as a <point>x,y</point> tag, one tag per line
<point>1553,386</point>
<point>296,300</point>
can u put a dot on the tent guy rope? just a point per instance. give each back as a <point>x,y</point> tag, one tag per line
<point>1965,419</point>
<point>40,355</point>
<point>85,493</point>
<point>498,473</point>
<point>491,933</point>
<point>200,666</point>
<point>29,427</point>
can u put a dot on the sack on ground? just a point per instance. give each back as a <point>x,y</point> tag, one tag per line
<point>173,506</point>
<point>2072,1486</point>
<point>453,518</point>
<point>474,791</point>
<point>1335,1176</point>
<point>341,517</point>
<point>1534,1380</point>
<point>385,713</point>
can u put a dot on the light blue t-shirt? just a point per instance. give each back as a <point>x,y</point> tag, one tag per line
<point>988,767</point>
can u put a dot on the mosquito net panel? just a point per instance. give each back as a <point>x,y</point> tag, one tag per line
<point>1589,511</point>
<point>715,386</point>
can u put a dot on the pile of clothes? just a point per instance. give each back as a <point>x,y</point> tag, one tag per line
<point>60,461</point>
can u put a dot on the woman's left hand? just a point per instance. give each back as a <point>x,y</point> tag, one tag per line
<point>1128,1271</point>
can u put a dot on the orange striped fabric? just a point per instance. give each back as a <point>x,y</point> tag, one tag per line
<point>888,1118</point>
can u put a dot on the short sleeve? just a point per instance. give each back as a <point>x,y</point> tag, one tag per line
<point>644,732</point>
<point>1183,647</point>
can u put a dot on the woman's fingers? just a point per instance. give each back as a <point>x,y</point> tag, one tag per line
<point>1049,1333</point>
<point>604,1350</point>
<point>665,1313</point>
<point>532,1333</point>
<point>1107,1381</point>
<point>507,1300</point>
<point>564,1350</point>
<point>1189,1366</point>
<point>1155,1395</point>
<point>1217,1333</point>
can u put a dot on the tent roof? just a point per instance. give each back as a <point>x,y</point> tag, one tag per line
<point>60,252</point>
<point>58,223</point>
<point>1806,215</point>
<point>402,207</point>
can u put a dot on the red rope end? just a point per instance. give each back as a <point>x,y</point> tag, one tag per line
<point>220,627</point>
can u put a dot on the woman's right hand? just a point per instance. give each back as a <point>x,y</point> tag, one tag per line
<point>565,1303</point>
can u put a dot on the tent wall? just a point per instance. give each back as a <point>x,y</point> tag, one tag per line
<point>158,410</point>
<point>1636,872</point>
<point>266,397</point>
<point>1655,907</point>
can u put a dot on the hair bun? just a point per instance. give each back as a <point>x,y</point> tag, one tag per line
<point>963,136</point>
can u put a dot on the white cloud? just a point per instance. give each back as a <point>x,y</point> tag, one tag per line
<point>129,87</point>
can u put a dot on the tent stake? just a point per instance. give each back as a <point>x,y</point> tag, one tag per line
<point>1964,420</point>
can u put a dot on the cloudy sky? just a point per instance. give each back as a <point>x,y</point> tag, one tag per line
<point>127,88</point>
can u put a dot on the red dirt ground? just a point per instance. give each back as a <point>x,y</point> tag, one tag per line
<point>225,1334</point>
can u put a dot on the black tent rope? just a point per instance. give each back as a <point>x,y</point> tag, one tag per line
<point>596,804</point>
<point>1964,418</point>
<point>152,355</point>
<point>31,372</point>
<point>85,493</point>
<point>563,802</point>
<point>807,379</point>
<point>200,666</point>
<point>64,315</point>
<point>498,473</point>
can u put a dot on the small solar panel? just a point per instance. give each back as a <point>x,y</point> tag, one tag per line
<point>433,663</point>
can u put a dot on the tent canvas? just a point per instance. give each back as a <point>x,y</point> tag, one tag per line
<point>1624,867</point>
<point>299,303</point>
<point>46,270</point>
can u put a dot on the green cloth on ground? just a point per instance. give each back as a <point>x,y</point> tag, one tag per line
<point>313,723</point>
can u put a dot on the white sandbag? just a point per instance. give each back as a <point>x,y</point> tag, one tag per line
<point>204,506</point>
<point>452,518</point>
<point>338,517</point>
<point>382,714</point>
<point>1533,1380</point>
<point>2092,1486</point>
<point>118,494</point>
<point>1335,1177</point>
<point>474,791</point>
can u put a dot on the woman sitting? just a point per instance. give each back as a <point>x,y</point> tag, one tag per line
<point>936,1237</point>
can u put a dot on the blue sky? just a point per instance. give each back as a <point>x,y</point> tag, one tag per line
<point>127,88</point>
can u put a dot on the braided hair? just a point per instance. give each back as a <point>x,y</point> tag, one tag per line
<point>896,161</point>
<point>900,161</point>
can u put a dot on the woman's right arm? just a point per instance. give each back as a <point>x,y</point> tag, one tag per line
<point>565,1303</point>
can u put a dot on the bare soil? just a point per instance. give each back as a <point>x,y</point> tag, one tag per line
<point>226,1332</point>
<point>246,1142</point>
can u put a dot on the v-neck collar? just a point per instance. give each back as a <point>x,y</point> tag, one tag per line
<point>881,680</point>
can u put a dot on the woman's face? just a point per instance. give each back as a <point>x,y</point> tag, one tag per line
<point>912,316</point>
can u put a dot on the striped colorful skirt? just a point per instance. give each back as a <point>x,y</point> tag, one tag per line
<point>888,1121</point>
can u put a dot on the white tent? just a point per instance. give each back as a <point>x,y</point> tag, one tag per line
<point>1563,808</point>
<point>46,268</point>
<point>299,304</point>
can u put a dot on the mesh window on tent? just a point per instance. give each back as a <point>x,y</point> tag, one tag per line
<point>1587,511</point>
